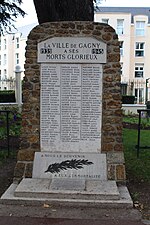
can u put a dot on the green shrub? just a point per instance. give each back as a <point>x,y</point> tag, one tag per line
<point>128,99</point>
<point>7,96</point>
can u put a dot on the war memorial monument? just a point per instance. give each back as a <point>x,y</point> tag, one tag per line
<point>71,149</point>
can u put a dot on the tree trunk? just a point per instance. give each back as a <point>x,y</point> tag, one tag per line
<point>64,10</point>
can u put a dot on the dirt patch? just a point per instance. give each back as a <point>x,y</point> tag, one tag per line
<point>6,174</point>
<point>140,193</point>
<point>135,126</point>
<point>13,143</point>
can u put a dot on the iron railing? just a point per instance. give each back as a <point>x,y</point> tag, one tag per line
<point>7,84</point>
<point>137,88</point>
<point>9,133</point>
<point>138,146</point>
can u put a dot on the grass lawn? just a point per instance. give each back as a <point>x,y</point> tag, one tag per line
<point>138,169</point>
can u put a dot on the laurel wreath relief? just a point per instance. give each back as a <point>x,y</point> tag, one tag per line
<point>68,164</point>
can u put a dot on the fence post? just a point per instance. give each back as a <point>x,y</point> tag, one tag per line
<point>18,90</point>
<point>7,119</point>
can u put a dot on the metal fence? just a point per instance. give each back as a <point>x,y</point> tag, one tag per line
<point>136,88</point>
<point>10,125</point>
<point>7,84</point>
<point>15,85</point>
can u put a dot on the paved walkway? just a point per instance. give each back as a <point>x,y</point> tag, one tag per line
<point>52,215</point>
<point>50,221</point>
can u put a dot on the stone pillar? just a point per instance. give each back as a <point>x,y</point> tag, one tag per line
<point>18,90</point>
<point>111,134</point>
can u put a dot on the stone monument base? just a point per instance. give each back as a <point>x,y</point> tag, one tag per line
<point>89,193</point>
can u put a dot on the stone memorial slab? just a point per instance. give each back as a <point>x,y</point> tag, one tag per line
<point>72,50</point>
<point>70,165</point>
<point>68,184</point>
<point>71,107</point>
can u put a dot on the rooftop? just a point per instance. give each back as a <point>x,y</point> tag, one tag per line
<point>25,30</point>
<point>132,10</point>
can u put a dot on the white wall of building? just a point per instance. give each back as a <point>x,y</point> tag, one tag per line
<point>12,53</point>
<point>16,54</point>
<point>129,39</point>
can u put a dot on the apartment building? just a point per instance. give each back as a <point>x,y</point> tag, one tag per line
<point>132,24</point>
<point>12,53</point>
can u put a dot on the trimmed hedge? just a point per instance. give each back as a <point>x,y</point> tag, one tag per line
<point>128,99</point>
<point>7,96</point>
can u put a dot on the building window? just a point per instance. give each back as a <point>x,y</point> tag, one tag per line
<point>5,59</point>
<point>139,70</point>
<point>121,68</point>
<point>0,59</point>
<point>139,95</point>
<point>17,42</point>
<point>5,74</point>
<point>123,88</point>
<point>120,26</point>
<point>139,49</point>
<point>121,47</point>
<point>5,44</point>
<point>140,28</point>
<point>0,43</point>
<point>17,58</point>
<point>105,21</point>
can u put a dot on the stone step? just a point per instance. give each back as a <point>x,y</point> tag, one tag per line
<point>124,202</point>
<point>68,189</point>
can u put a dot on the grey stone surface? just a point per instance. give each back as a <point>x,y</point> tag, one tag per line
<point>147,222</point>
<point>115,157</point>
<point>105,188</point>
<point>32,185</point>
<point>31,207</point>
<point>96,170</point>
<point>124,202</point>
<point>67,184</point>
<point>92,191</point>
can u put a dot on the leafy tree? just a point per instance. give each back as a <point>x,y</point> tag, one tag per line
<point>47,11</point>
<point>65,10</point>
<point>9,11</point>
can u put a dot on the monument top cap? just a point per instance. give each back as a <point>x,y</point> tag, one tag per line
<point>18,69</point>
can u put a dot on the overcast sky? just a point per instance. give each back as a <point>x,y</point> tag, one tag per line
<point>133,3</point>
<point>28,7</point>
